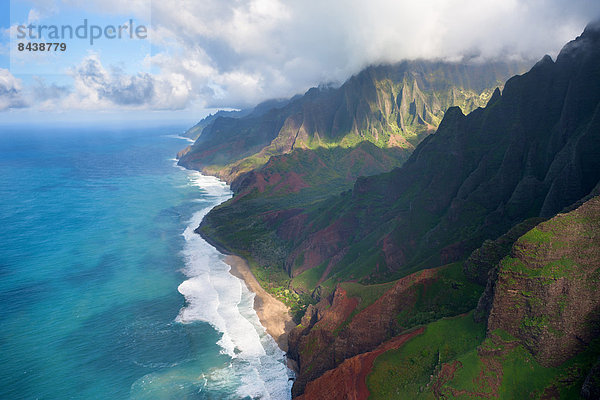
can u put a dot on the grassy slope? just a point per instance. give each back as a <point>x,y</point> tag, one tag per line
<point>405,373</point>
<point>453,360</point>
<point>448,295</point>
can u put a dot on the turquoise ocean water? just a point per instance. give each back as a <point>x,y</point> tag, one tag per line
<point>105,292</point>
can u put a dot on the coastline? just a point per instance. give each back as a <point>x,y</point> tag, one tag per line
<point>274,316</point>
<point>272,313</point>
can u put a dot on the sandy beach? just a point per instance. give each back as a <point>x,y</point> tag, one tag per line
<point>273,314</point>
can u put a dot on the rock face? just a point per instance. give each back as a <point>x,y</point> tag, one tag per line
<point>389,105</point>
<point>547,290</point>
<point>491,252</point>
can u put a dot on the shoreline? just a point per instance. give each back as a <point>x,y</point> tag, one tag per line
<point>274,316</point>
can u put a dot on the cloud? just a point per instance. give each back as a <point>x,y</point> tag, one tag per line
<point>255,49</point>
<point>42,91</point>
<point>11,92</point>
<point>97,87</point>
<point>215,53</point>
<point>95,81</point>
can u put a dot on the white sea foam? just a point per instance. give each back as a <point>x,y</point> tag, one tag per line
<point>215,296</point>
<point>175,161</point>
<point>180,137</point>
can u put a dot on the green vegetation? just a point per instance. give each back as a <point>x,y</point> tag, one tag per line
<point>308,280</point>
<point>497,367</point>
<point>491,252</point>
<point>537,323</point>
<point>276,282</point>
<point>447,294</point>
<point>367,294</point>
<point>451,294</point>
<point>242,223</point>
<point>537,236</point>
<point>406,373</point>
<point>555,269</point>
<point>504,367</point>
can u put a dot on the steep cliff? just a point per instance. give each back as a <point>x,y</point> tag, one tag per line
<point>481,179</point>
<point>388,105</point>
<point>546,294</point>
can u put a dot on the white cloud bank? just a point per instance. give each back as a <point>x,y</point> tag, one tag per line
<point>236,53</point>
<point>11,91</point>
<point>95,86</point>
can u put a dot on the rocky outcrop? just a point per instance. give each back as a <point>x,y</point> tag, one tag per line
<point>482,264</point>
<point>547,289</point>
<point>487,257</point>
<point>183,152</point>
<point>341,330</point>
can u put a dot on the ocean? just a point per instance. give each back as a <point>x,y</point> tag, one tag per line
<point>105,291</point>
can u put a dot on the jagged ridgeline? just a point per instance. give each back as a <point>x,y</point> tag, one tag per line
<point>389,106</point>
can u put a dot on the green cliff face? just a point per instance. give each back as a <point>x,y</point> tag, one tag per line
<point>546,294</point>
<point>390,106</point>
<point>195,131</point>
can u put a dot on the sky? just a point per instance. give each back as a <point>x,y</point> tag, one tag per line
<point>200,55</point>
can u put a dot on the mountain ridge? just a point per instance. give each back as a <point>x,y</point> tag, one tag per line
<point>389,105</point>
